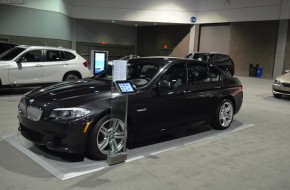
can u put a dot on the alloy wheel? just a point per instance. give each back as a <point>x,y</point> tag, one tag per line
<point>111,136</point>
<point>226,114</point>
<point>71,77</point>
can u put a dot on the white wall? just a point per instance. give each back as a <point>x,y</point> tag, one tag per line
<point>215,38</point>
<point>168,11</point>
<point>29,22</point>
<point>90,31</point>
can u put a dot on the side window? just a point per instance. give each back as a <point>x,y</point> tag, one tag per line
<point>53,55</point>
<point>214,75</point>
<point>220,58</point>
<point>33,56</point>
<point>199,74</point>
<point>69,55</point>
<point>63,56</point>
<point>176,75</point>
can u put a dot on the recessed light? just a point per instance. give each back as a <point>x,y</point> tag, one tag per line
<point>155,24</point>
<point>136,25</point>
<point>113,21</point>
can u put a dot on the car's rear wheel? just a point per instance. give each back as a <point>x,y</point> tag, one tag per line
<point>224,115</point>
<point>71,77</point>
<point>108,136</point>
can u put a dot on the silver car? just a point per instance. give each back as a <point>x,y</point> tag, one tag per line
<point>281,85</point>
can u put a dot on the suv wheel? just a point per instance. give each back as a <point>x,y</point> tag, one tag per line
<point>71,77</point>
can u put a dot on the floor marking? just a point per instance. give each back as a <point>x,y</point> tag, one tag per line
<point>64,170</point>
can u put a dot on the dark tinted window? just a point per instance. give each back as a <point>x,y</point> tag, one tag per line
<point>199,73</point>
<point>33,56</point>
<point>53,55</point>
<point>220,58</point>
<point>176,74</point>
<point>200,57</point>
<point>63,56</point>
<point>139,73</point>
<point>69,55</point>
<point>11,54</point>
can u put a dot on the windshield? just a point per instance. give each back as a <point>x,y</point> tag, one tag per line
<point>127,57</point>
<point>139,73</point>
<point>11,54</point>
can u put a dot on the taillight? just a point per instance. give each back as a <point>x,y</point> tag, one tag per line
<point>85,64</point>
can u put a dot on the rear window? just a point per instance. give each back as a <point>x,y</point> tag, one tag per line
<point>200,57</point>
<point>69,55</point>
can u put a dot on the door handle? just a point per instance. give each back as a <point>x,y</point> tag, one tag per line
<point>65,63</point>
<point>38,65</point>
<point>219,86</point>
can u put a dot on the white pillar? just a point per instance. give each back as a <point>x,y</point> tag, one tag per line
<point>280,48</point>
<point>192,40</point>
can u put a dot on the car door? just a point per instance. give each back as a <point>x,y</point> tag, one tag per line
<point>55,66</point>
<point>27,68</point>
<point>164,106</point>
<point>204,90</point>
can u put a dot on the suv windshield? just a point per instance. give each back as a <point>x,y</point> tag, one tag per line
<point>139,73</point>
<point>11,54</point>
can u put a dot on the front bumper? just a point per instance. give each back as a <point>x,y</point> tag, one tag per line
<point>281,90</point>
<point>63,136</point>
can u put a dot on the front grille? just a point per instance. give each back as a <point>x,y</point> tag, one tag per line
<point>33,113</point>
<point>22,109</point>
<point>286,84</point>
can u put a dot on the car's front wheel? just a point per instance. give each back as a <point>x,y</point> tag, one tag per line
<point>108,136</point>
<point>224,115</point>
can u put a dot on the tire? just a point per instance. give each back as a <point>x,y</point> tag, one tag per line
<point>108,136</point>
<point>277,96</point>
<point>224,115</point>
<point>71,77</point>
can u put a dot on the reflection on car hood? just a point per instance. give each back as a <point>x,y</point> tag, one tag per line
<point>284,78</point>
<point>69,90</point>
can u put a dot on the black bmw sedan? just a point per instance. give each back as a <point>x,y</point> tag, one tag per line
<point>171,94</point>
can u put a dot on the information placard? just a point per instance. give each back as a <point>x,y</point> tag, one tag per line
<point>119,70</point>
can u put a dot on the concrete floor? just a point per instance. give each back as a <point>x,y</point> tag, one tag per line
<point>252,159</point>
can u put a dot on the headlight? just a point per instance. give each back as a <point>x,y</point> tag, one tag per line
<point>277,82</point>
<point>69,113</point>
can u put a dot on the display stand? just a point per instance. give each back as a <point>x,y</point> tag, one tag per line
<point>119,103</point>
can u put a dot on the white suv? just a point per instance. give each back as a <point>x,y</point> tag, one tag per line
<point>40,64</point>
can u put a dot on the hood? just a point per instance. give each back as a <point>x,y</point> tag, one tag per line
<point>71,90</point>
<point>284,78</point>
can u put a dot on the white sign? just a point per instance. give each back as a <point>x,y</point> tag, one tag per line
<point>119,70</point>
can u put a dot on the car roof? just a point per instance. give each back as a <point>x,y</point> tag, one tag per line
<point>162,60</point>
<point>45,47</point>
<point>209,53</point>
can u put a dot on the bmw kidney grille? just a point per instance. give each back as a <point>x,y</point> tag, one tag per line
<point>30,112</point>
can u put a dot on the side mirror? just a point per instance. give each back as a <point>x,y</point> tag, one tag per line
<point>287,71</point>
<point>20,60</point>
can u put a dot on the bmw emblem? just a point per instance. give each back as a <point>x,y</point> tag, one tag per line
<point>31,101</point>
